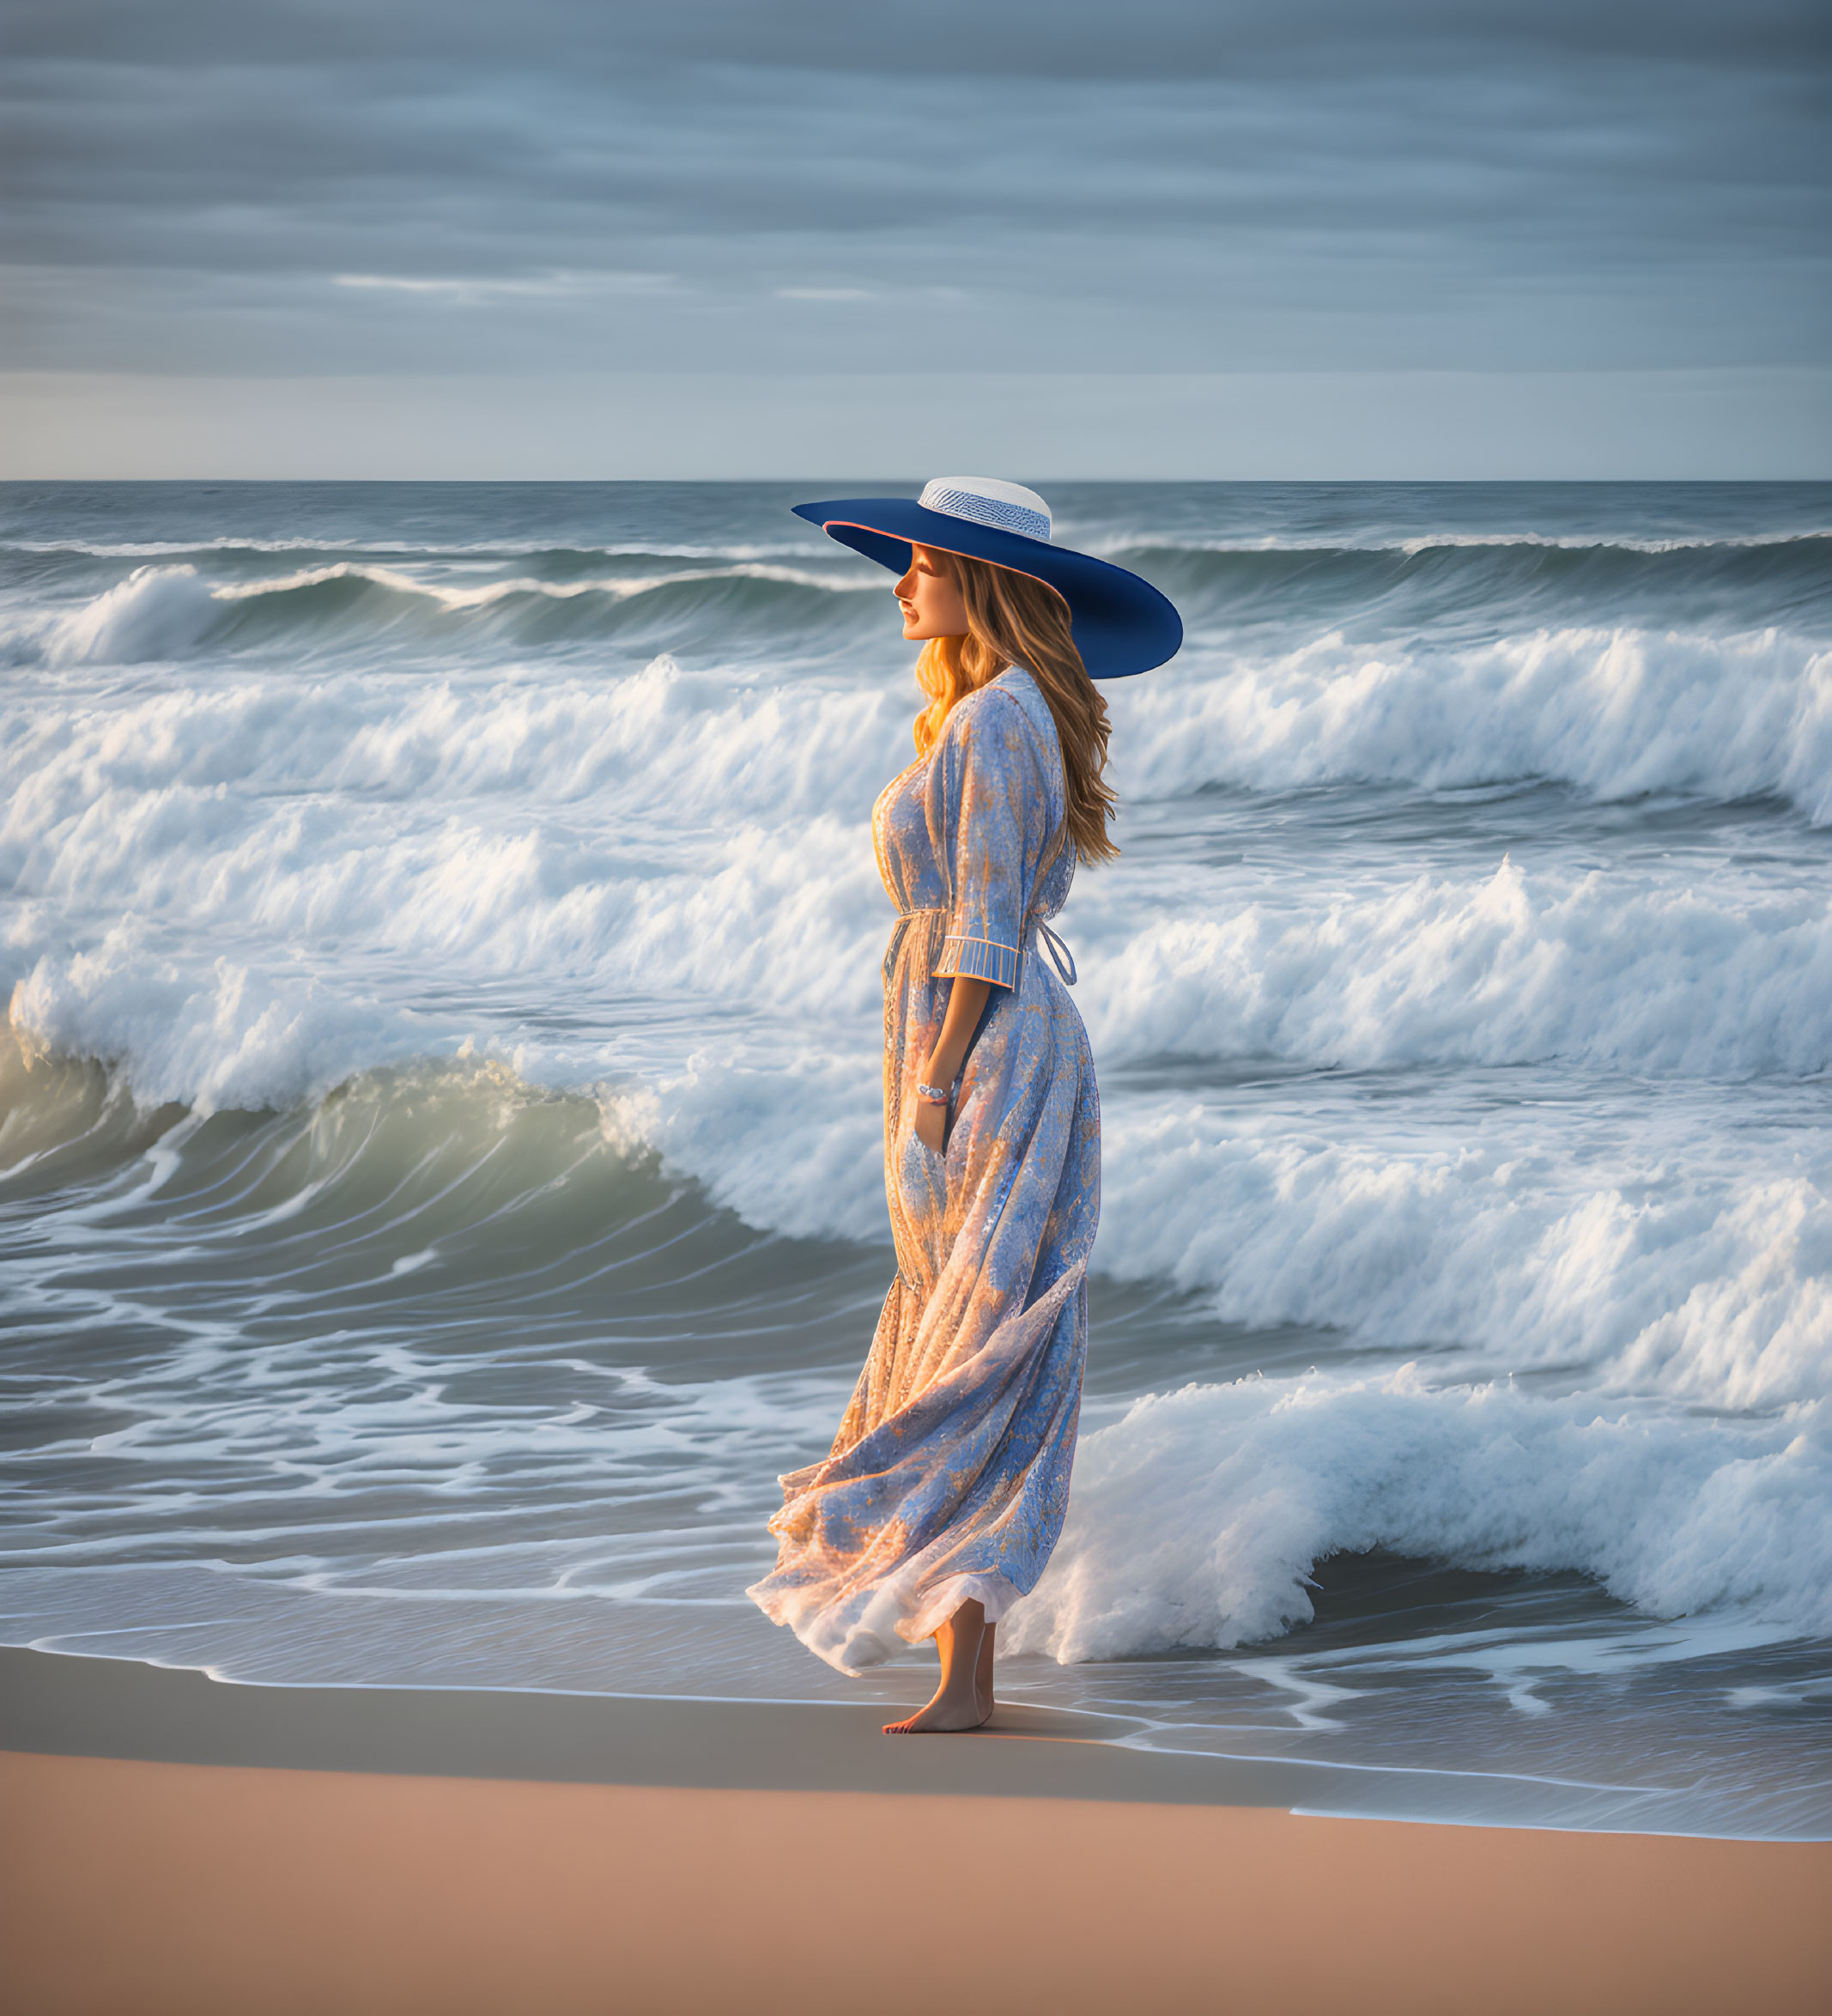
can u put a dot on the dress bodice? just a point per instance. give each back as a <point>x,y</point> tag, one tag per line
<point>975,832</point>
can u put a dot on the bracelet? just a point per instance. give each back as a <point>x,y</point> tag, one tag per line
<point>935,1095</point>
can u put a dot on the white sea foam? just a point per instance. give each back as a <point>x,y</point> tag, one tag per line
<point>167,612</point>
<point>1135,539</point>
<point>157,612</point>
<point>229,542</point>
<point>1698,974</point>
<point>486,595</point>
<point>664,830</point>
<point>1645,1246</point>
<point>209,1032</point>
<point>1596,542</point>
<point>1639,972</point>
<point>1197,1519</point>
<point>690,748</point>
<point>1618,712</point>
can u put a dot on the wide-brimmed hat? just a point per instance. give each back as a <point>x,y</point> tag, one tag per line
<point>1122,624</point>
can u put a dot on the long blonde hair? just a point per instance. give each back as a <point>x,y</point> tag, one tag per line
<point>1015,619</point>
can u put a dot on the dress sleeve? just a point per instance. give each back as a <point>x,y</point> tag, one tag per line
<point>984,790</point>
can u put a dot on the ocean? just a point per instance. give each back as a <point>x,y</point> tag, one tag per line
<point>439,1127</point>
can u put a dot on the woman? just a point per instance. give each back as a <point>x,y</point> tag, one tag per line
<point>946,1487</point>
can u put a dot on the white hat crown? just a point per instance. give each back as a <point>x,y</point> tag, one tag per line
<point>984,499</point>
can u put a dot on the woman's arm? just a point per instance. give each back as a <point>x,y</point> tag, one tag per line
<point>965,998</point>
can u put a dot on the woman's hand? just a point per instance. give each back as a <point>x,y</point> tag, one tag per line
<point>966,998</point>
<point>932,1125</point>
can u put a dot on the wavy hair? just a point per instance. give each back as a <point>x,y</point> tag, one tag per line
<point>1015,619</point>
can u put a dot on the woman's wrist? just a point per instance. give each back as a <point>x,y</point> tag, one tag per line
<point>935,1083</point>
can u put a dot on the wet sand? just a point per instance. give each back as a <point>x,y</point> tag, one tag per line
<point>174,1845</point>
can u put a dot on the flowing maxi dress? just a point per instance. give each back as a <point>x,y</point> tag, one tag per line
<point>948,1477</point>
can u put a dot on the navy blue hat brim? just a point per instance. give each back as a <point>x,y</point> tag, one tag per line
<point>1121,624</point>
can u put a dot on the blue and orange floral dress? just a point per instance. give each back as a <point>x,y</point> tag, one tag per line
<point>949,1479</point>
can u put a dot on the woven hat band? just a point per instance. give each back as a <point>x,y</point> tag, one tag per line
<point>1009,507</point>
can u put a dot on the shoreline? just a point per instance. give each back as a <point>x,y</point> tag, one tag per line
<point>81,1704</point>
<point>78,1705</point>
<point>400,1851</point>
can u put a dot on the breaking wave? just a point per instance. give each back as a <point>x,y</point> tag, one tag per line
<point>196,599</point>
<point>1197,1519</point>
<point>173,612</point>
<point>1617,712</point>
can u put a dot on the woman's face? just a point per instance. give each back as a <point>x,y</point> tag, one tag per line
<point>931,602</point>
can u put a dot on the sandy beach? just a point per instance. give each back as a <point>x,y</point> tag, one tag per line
<point>175,1844</point>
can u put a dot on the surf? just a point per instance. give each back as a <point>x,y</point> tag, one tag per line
<point>440,1137</point>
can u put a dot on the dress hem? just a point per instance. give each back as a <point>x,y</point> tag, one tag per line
<point>994,1591</point>
<point>873,1636</point>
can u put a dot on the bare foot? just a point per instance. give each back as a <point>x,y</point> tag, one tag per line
<point>964,1699</point>
<point>940,1717</point>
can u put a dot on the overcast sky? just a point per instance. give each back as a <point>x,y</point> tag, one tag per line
<point>219,191</point>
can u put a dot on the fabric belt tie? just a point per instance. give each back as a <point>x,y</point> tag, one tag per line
<point>1058,953</point>
<point>1060,957</point>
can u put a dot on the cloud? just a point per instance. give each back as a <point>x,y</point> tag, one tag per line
<point>1180,186</point>
<point>477,290</point>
